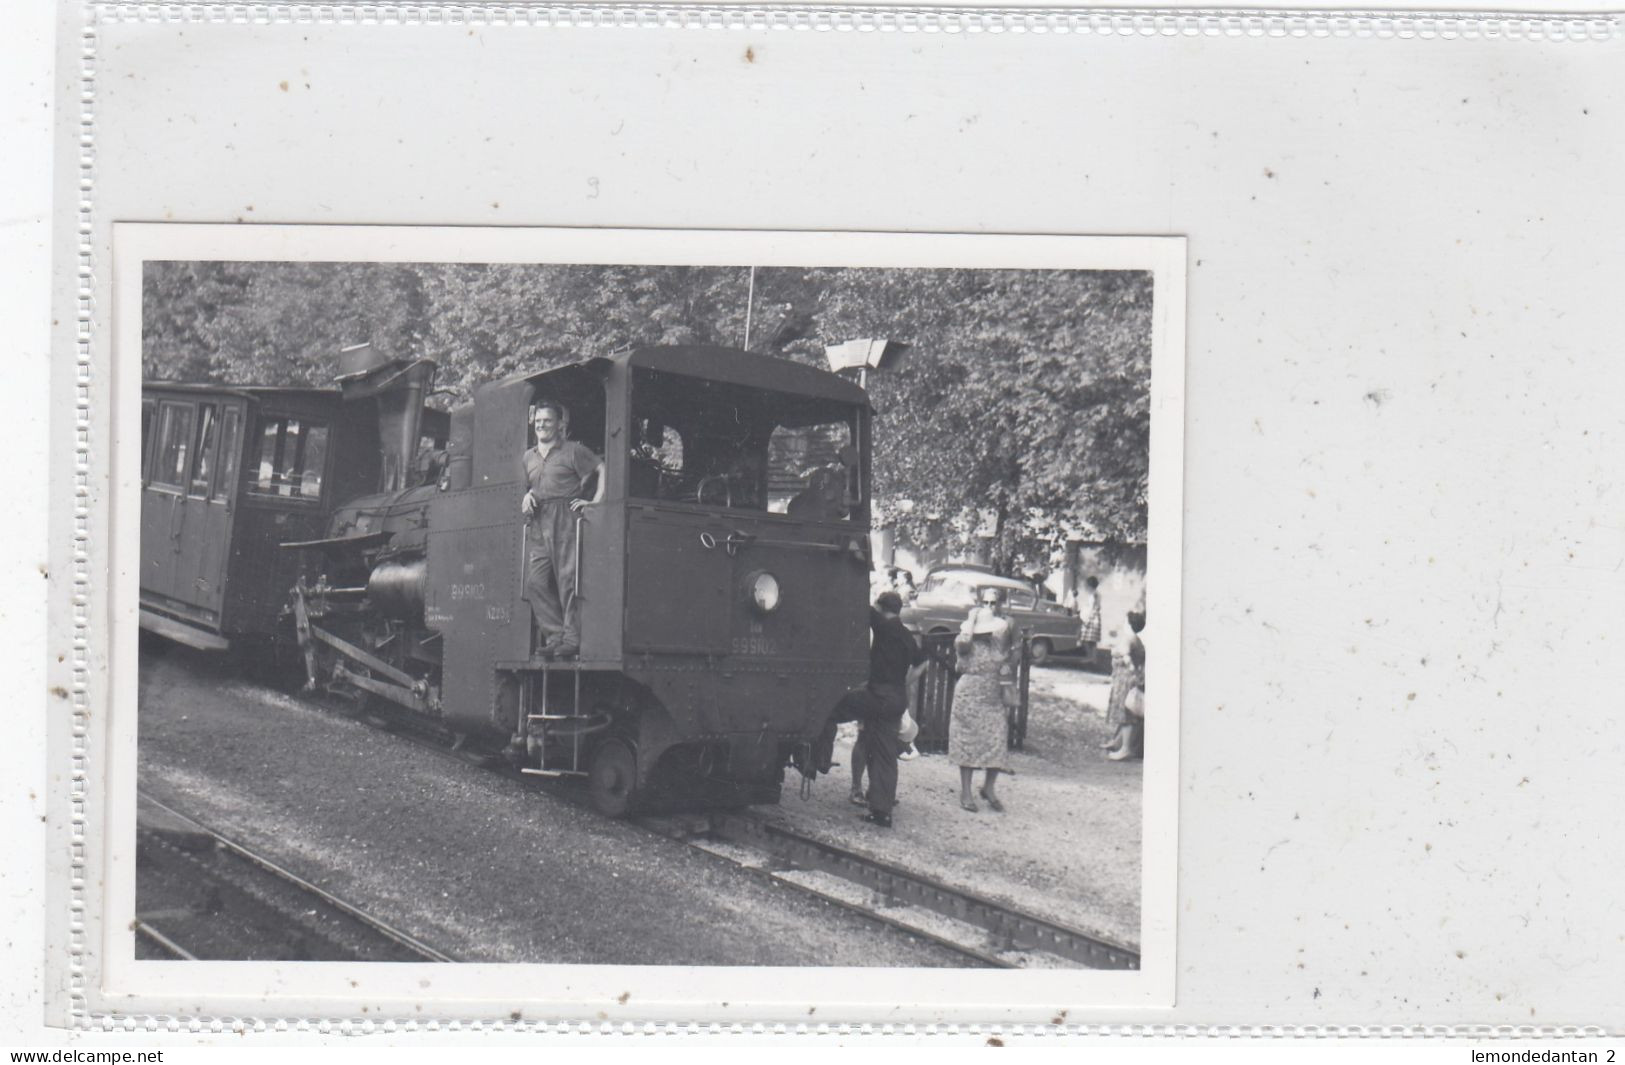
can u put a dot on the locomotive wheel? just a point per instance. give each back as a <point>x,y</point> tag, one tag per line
<point>612,778</point>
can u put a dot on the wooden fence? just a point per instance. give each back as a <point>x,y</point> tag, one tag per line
<point>933,705</point>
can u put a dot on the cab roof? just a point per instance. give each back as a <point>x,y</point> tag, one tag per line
<point>724,364</point>
<point>746,368</point>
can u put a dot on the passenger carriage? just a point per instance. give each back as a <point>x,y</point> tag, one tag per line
<point>228,475</point>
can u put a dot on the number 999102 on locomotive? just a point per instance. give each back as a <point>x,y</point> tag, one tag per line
<point>720,575</point>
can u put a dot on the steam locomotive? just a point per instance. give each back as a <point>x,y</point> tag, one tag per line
<point>722,580</point>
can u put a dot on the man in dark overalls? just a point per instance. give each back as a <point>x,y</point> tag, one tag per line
<point>556,472</point>
<point>896,662</point>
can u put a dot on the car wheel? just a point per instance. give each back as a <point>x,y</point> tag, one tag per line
<point>1041,651</point>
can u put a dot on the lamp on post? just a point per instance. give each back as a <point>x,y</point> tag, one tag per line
<point>864,355</point>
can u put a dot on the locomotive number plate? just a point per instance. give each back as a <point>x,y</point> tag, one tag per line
<point>754,645</point>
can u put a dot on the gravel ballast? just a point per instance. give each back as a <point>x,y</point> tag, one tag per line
<point>475,863</point>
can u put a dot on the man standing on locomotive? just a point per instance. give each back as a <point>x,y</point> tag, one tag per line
<point>556,473</point>
<point>896,662</point>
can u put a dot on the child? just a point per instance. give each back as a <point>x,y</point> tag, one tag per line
<point>1088,608</point>
<point>1128,691</point>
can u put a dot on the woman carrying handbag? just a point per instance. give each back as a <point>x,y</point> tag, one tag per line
<point>978,729</point>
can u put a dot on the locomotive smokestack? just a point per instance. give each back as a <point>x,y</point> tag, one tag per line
<point>399,386</point>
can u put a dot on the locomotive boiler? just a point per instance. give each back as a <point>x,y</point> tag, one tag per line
<point>721,586</point>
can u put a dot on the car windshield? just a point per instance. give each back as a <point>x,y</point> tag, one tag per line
<point>939,590</point>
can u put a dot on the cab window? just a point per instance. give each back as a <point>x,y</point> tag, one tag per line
<point>804,467</point>
<point>717,444</point>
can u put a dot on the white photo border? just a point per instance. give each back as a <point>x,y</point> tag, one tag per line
<point>117,985</point>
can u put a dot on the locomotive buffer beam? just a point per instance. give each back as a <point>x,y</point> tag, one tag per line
<point>393,692</point>
<point>406,690</point>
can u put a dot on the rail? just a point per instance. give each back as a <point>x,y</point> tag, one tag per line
<point>1010,929</point>
<point>389,932</point>
<point>782,873</point>
<point>146,931</point>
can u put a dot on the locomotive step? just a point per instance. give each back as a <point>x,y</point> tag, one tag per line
<point>562,665</point>
<point>564,717</point>
<point>528,771</point>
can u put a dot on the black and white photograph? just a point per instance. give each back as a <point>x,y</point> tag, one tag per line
<point>645,614</point>
<point>855,525</point>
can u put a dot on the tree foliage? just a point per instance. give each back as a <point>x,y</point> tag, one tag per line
<point>1022,409</point>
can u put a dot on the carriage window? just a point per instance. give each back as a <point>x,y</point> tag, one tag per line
<point>717,444</point>
<point>174,442</point>
<point>148,409</point>
<point>231,445</point>
<point>314,460</point>
<point>292,454</point>
<point>206,446</point>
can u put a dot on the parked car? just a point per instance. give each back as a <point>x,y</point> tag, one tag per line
<point>947,595</point>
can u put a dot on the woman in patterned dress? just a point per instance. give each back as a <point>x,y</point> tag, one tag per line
<point>978,730</point>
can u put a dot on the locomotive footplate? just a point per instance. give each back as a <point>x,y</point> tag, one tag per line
<point>539,664</point>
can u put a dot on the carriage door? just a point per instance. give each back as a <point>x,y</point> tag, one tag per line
<point>206,529</point>
<point>163,496</point>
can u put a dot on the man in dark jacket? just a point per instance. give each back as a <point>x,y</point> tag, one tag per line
<point>896,661</point>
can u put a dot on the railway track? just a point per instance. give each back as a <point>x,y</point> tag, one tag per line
<point>990,930</point>
<point>209,896</point>
<point>984,931</point>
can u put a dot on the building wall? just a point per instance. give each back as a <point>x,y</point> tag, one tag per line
<point>1121,572</point>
